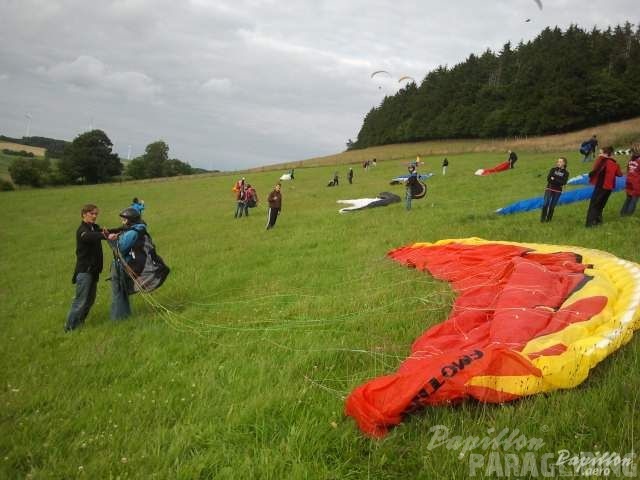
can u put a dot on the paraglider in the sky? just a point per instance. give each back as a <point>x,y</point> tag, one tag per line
<point>529,318</point>
<point>539,3</point>
<point>382,200</point>
<point>380,72</point>
<point>406,77</point>
<point>527,20</point>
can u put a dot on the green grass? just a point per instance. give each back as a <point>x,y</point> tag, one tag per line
<point>270,330</point>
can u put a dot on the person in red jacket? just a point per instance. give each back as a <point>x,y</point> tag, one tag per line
<point>603,178</point>
<point>632,187</point>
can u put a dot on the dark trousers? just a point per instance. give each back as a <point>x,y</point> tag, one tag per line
<point>240,208</point>
<point>86,287</point>
<point>550,200</point>
<point>629,205</point>
<point>598,201</point>
<point>272,216</point>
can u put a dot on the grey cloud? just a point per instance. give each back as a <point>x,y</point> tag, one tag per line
<point>231,84</point>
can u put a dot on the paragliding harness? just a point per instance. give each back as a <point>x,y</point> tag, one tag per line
<point>146,269</point>
<point>585,147</point>
<point>418,190</point>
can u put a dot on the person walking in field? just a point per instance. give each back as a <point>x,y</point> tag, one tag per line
<point>556,179</point>
<point>411,184</point>
<point>445,164</point>
<point>588,149</point>
<point>89,262</point>
<point>350,176</point>
<point>632,187</point>
<point>275,206</point>
<point>241,200</point>
<point>603,178</point>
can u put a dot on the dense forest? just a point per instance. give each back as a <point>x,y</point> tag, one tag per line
<point>558,82</point>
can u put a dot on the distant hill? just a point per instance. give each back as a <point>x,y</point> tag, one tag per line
<point>556,83</point>
<point>617,134</point>
<point>53,146</point>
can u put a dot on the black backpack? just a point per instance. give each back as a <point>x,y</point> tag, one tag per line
<point>148,268</point>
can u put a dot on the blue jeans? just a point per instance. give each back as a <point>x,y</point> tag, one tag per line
<point>120,307</point>
<point>86,287</point>
<point>629,205</point>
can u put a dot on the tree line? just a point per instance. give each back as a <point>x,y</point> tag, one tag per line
<point>90,159</point>
<point>558,82</point>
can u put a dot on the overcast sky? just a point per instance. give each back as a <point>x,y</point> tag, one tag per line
<point>234,84</point>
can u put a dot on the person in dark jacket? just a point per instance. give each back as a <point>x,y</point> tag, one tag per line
<point>590,150</point>
<point>275,206</point>
<point>513,158</point>
<point>556,179</point>
<point>603,178</point>
<point>89,262</point>
<point>350,176</point>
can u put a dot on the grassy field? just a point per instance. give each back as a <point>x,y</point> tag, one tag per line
<point>244,374</point>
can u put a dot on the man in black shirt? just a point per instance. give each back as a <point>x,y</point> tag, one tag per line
<point>88,266</point>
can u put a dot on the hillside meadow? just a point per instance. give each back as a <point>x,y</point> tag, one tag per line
<point>239,365</point>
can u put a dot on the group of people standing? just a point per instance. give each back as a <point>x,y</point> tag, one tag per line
<point>603,178</point>
<point>126,243</point>
<point>246,198</point>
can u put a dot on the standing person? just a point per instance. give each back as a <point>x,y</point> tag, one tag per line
<point>350,176</point>
<point>291,173</point>
<point>138,204</point>
<point>251,199</point>
<point>513,158</point>
<point>411,184</point>
<point>603,178</point>
<point>588,148</point>
<point>445,164</point>
<point>556,179</point>
<point>241,200</point>
<point>128,248</point>
<point>275,206</point>
<point>335,179</point>
<point>89,263</point>
<point>632,187</point>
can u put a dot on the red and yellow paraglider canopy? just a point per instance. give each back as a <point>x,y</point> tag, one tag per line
<point>529,318</point>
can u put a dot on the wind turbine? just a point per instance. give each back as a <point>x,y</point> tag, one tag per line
<point>28,117</point>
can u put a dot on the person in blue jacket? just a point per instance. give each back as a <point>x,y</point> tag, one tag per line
<point>130,240</point>
<point>411,184</point>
